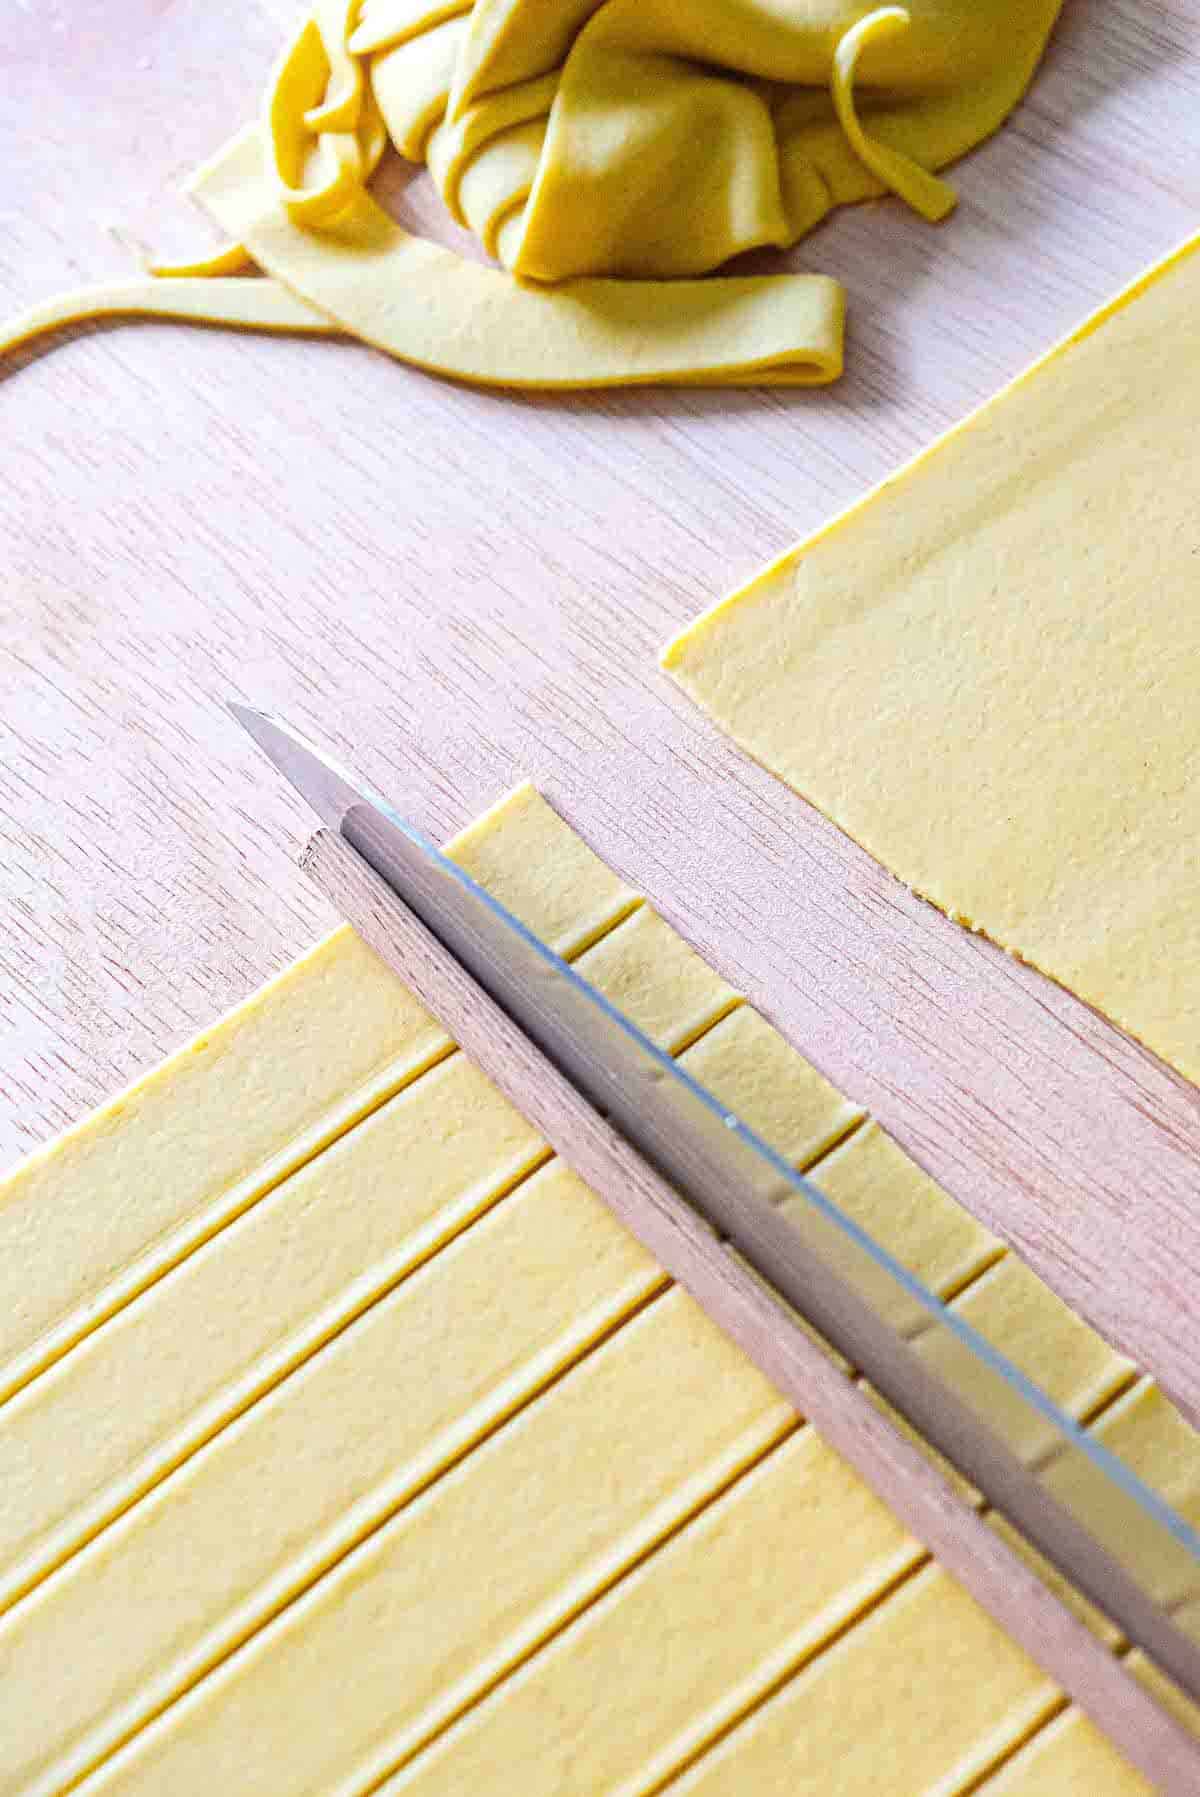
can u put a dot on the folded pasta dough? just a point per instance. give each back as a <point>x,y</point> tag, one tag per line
<point>608,152</point>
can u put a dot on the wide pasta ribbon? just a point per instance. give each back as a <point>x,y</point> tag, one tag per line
<point>607,153</point>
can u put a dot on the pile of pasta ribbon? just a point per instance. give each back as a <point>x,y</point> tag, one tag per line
<point>608,154</point>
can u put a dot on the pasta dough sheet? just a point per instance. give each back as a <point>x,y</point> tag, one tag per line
<point>354,1443</point>
<point>1068,1759</point>
<point>986,672</point>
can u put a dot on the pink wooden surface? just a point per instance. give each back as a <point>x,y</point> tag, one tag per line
<point>457,589</point>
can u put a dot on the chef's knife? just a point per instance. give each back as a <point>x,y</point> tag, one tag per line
<point>1114,1538</point>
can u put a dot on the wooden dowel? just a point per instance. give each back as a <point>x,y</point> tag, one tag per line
<point>773,1338</point>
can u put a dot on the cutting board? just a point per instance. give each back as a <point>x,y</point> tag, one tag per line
<point>457,589</point>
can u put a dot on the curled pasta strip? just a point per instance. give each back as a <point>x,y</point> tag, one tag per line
<point>317,172</point>
<point>231,259</point>
<point>341,104</point>
<point>924,192</point>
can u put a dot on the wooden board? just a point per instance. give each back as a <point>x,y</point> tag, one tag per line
<point>457,588</point>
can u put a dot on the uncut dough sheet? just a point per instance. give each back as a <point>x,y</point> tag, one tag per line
<point>988,672</point>
<point>351,1444</point>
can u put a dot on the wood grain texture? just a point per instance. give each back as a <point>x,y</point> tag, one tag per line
<point>457,588</point>
<point>771,1336</point>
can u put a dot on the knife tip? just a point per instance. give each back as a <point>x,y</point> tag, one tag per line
<point>328,789</point>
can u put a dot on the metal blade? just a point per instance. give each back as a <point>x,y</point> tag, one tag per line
<point>1110,1534</point>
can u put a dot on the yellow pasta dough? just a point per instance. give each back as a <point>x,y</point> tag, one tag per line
<point>280,1279</point>
<point>926,1693</point>
<point>910,1216</point>
<point>405,1430</point>
<point>986,671</point>
<point>113,1203</point>
<point>1018,1314</point>
<point>295,1267</point>
<point>1071,1758</point>
<point>1146,1431</point>
<point>751,1070</point>
<point>421,1617</point>
<point>548,1720</point>
<point>606,152</point>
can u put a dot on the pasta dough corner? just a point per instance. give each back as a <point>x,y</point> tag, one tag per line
<point>984,671</point>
